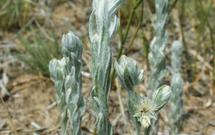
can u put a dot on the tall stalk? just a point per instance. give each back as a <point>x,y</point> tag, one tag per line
<point>145,43</point>
<point>66,74</point>
<point>107,22</point>
<point>145,49</point>
<point>181,16</point>
<point>176,105</point>
<point>157,56</point>
<point>173,5</point>
<point>138,27</point>
<point>158,44</point>
<point>213,46</point>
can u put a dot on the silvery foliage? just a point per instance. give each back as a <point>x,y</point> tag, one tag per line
<point>176,103</point>
<point>141,109</point>
<point>66,74</point>
<point>176,56</point>
<point>107,22</point>
<point>156,56</point>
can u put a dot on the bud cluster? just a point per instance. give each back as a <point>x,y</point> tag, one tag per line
<point>141,109</point>
<point>66,74</point>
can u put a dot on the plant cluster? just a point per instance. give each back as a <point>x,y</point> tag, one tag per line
<point>66,74</point>
<point>103,24</point>
<point>141,109</point>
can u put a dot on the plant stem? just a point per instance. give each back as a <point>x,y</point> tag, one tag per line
<point>172,6</point>
<point>122,43</point>
<point>120,26</point>
<point>147,130</point>
<point>213,44</point>
<point>14,129</point>
<point>195,60</point>
<point>145,42</point>
<point>135,35</point>
<point>138,27</point>
<point>181,15</point>
<point>95,130</point>
<point>146,50</point>
<point>124,37</point>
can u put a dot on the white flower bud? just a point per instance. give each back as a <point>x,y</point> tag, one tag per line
<point>127,72</point>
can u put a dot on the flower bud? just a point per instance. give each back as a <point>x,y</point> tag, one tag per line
<point>71,43</point>
<point>127,72</point>
<point>161,96</point>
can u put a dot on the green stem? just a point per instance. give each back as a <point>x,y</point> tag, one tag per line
<point>124,37</point>
<point>120,27</point>
<point>122,43</point>
<point>147,130</point>
<point>181,15</point>
<point>8,114</point>
<point>95,130</point>
<point>138,27</point>
<point>172,6</point>
<point>145,43</point>
<point>213,44</point>
<point>146,50</point>
<point>195,61</point>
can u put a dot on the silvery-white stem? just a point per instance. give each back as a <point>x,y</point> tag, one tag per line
<point>156,56</point>
<point>106,24</point>
<point>176,103</point>
<point>66,74</point>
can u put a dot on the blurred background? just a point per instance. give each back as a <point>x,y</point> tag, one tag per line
<point>30,36</point>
